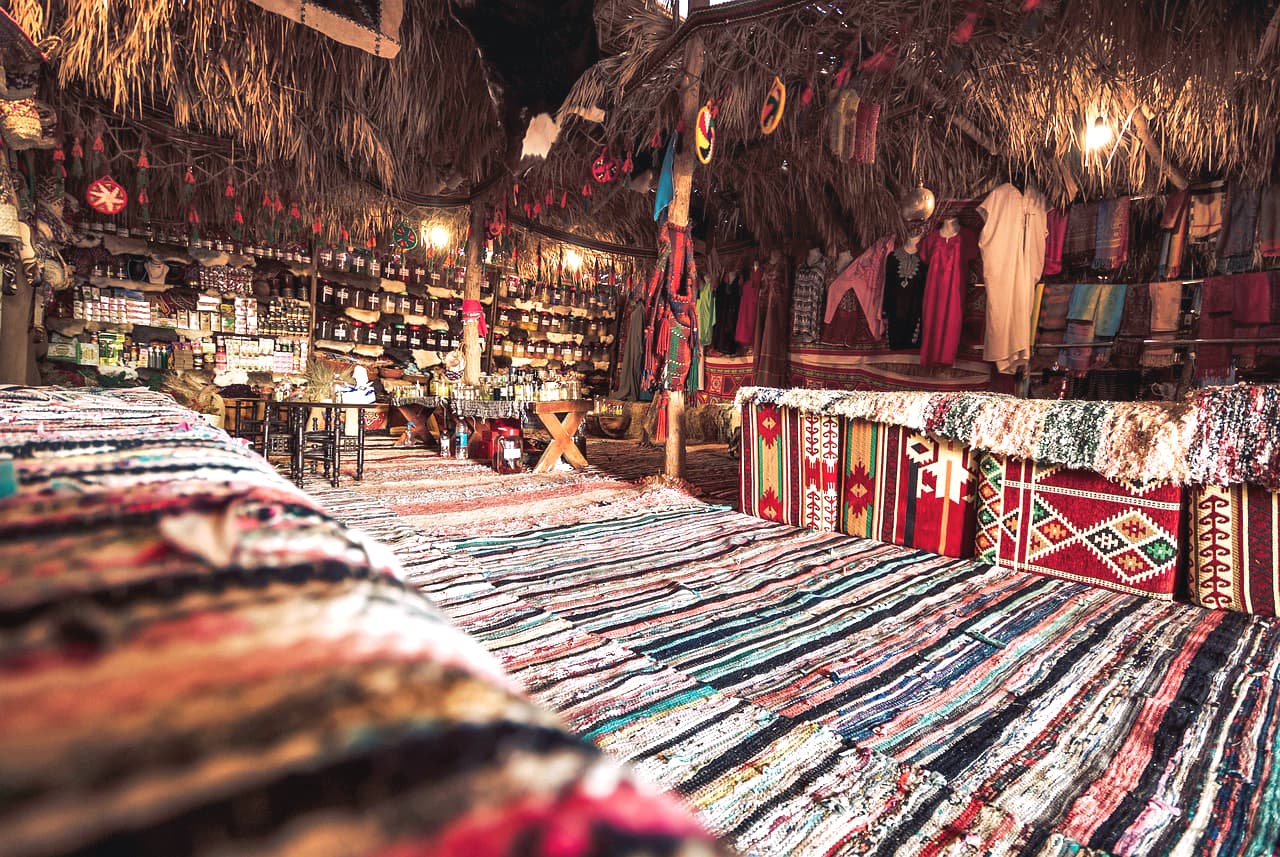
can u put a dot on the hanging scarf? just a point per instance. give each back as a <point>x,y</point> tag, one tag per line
<point>671,316</point>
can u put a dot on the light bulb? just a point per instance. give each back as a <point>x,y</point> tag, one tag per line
<point>1098,135</point>
<point>572,260</point>
<point>439,236</point>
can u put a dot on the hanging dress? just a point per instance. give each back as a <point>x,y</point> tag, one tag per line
<point>904,280</point>
<point>806,301</point>
<point>728,299</point>
<point>772,323</point>
<point>746,333</point>
<point>943,316</point>
<point>1013,246</point>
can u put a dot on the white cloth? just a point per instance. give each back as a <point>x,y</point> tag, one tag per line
<point>1012,244</point>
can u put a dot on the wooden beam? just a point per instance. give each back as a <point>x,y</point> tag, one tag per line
<point>678,215</point>
<point>471,292</point>
<point>1143,130</point>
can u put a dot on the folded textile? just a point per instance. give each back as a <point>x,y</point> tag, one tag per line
<point>1235,245</point>
<point>1217,302</point>
<point>1135,326</point>
<point>1166,315</point>
<point>1237,436</point>
<point>1269,222</point>
<point>1250,310</point>
<point>1055,241</point>
<point>1205,218</point>
<point>1080,320</point>
<point>1107,319</point>
<point>1111,240</point>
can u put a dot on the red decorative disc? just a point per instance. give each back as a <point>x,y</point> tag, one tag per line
<point>106,196</point>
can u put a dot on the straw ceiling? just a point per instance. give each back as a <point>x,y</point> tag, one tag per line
<point>332,126</point>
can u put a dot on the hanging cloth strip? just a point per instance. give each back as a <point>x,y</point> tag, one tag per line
<point>671,316</point>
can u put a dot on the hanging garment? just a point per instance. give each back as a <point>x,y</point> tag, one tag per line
<point>1235,245</point>
<point>864,278</point>
<point>806,301</point>
<point>1111,241</point>
<point>706,325</point>
<point>746,333</point>
<point>1269,222</point>
<point>1173,225</point>
<point>631,360</point>
<point>1052,302</point>
<point>1217,305</point>
<point>1012,243</point>
<point>1081,235</point>
<point>728,297</point>
<point>904,282</point>
<point>1055,241</point>
<point>948,262</point>
<point>1206,214</point>
<point>772,317</point>
<point>671,318</point>
<point>1166,317</point>
<point>848,326</point>
<point>1135,326</point>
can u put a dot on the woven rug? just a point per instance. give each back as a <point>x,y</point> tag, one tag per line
<point>197,659</point>
<point>813,693</point>
<point>1235,549</point>
<point>1079,525</point>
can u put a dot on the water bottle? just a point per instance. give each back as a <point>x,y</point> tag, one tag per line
<point>444,444</point>
<point>462,439</point>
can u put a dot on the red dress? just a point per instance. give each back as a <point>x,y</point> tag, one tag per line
<point>948,260</point>
<point>746,332</point>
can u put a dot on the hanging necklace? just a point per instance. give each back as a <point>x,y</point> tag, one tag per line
<point>908,265</point>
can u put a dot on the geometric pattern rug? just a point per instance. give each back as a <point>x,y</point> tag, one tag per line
<point>813,693</point>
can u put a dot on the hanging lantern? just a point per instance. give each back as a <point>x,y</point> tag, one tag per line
<point>774,105</point>
<point>106,196</point>
<point>704,133</point>
<point>918,204</point>
<point>604,169</point>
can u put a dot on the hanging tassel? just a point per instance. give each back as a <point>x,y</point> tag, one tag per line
<point>144,205</point>
<point>627,166</point>
<point>229,191</point>
<point>193,220</point>
<point>317,227</point>
<point>143,161</point>
<point>77,159</point>
<point>963,31</point>
<point>60,162</point>
<point>549,203</point>
<point>564,199</point>
<point>97,159</point>
<point>586,190</point>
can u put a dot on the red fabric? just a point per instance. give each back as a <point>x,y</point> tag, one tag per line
<point>948,261</point>
<point>1055,241</point>
<point>473,311</point>
<point>1251,298</point>
<point>671,318</point>
<point>746,332</point>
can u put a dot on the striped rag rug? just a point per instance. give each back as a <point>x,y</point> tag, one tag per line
<point>813,693</point>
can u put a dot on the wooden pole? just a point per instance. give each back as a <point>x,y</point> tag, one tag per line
<point>471,292</point>
<point>678,215</point>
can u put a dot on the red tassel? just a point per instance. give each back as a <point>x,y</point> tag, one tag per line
<point>238,217</point>
<point>537,209</point>
<point>964,30</point>
<point>143,161</point>
<point>346,236</point>
<point>627,166</point>
<point>230,190</point>
<point>59,155</point>
<point>143,197</point>
<point>98,145</point>
<point>77,151</point>
<point>193,216</point>
<point>564,199</point>
<point>586,190</point>
<point>266,199</point>
<point>1030,5</point>
<point>189,178</point>
<point>528,210</point>
<point>807,96</point>
<point>294,213</point>
<point>549,202</point>
<point>317,226</point>
<point>656,141</point>
<point>371,242</point>
<point>278,206</point>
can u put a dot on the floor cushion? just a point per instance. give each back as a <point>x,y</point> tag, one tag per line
<point>1078,525</point>
<point>1235,559</point>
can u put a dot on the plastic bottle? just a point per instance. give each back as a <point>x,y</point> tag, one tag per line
<point>461,440</point>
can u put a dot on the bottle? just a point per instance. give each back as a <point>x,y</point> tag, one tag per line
<point>444,444</point>
<point>461,438</point>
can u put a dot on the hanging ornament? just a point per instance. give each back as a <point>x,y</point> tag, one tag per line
<point>229,191</point>
<point>346,236</point>
<point>316,226</point>
<point>918,204</point>
<point>806,97</point>
<point>99,150</point>
<point>404,235</point>
<point>238,216</point>
<point>77,159</point>
<point>497,223</point>
<point>774,105</point>
<point>586,190</point>
<point>106,196</point>
<point>627,166</point>
<point>193,220</point>
<point>704,133</point>
<point>656,140</point>
<point>549,202</point>
<point>372,241</point>
<point>564,198</point>
<point>60,159</point>
<point>604,169</point>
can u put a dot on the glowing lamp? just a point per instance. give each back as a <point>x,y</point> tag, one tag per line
<point>439,237</point>
<point>1097,135</point>
<point>573,260</point>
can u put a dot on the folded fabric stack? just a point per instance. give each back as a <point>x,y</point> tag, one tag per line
<point>198,660</point>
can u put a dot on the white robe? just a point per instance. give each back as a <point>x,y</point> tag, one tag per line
<point>1012,244</point>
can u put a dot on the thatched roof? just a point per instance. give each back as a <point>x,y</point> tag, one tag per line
<point>1196,77</point>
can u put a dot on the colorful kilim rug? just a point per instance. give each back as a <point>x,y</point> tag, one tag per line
<point>1235,549</point>
<point>1079,525</point>
<point>815,694</point>
<point>724,376</point>
<point>197,659</point>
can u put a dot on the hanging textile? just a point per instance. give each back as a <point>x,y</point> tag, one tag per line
<point>772,319</point>
<point>1135,326</point>
<point>671,318</point>
<point>631,355</point>
<point>1166,317</point>
<point>1111,241</point>
<point>1055,241</point>
<point>1206,213</point>
<point>1235,246</point>
<point>811,283</point>
<point>1013,243</point>
<point>1269,222</point>
<point>746,330</point>
<point>1174,226</point>
<point>728,301</point>
<point>1081,234</point>
<point>666,181</point>
<point>370,25</point>
<point>865,278</point>
<point>948,260</point>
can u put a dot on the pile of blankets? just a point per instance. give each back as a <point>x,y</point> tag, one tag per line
<point>1224,436</point>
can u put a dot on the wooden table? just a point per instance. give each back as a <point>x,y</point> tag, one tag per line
<point>562,420</point>
<point>330,439</point>
<point>420,414</point>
